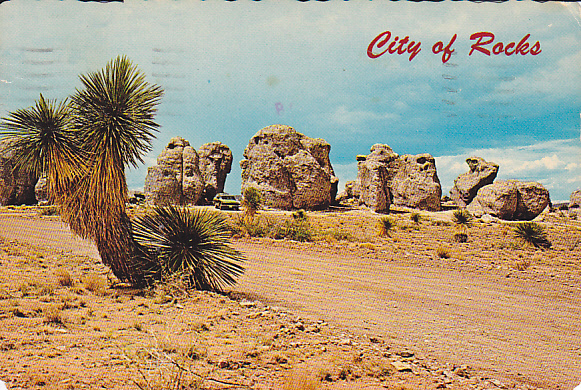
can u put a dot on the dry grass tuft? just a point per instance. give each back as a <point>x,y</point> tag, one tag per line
<point>64,278</point>
<point>442,252</point>
<point>95,284</point>
<point>53,315</point>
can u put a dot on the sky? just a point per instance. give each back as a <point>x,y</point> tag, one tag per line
<point>231,68</point>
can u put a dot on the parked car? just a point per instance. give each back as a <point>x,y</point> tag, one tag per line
<point>224,201</point>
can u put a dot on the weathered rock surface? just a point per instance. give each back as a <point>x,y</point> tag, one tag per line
<point>41,189</point>
<point>291,170</point>
<point>16,188</point>
<point>374,173</point>
<point>215,164</point>
<point>533,198</point>
<point>177,178</point>
<point>385,178</point>
<point>510,200</point>
<point>416,183</point>
<point>466,185</point>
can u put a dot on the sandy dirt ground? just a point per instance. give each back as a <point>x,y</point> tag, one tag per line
<point>383,312</point>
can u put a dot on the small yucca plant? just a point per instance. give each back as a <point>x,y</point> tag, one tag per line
<point>385,226</point>
<point>252,201</point>
<point>533,234</point>
<point>192,243</point>
<point>462,218</point>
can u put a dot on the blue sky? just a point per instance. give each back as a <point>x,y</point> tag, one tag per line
<point>231,68</point>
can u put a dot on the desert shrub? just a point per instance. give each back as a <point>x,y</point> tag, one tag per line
<point>53,314</point>
<point>252,201</point>
<point>532,233</point>
<point>295,229</point>
<point>48,210</point>
<point>95,284</point>
<point>461,237</point>
<point>462,218</point>
<point>191,243</point>
<point>300,214</point>
<point>339,235</point>
<point>64,278</point>
<point>442,252</point>
<point>416,218</point>
<point>252,226</point>
<point>385,225</point>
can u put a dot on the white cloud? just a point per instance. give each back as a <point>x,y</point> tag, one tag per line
<point>344,117</point>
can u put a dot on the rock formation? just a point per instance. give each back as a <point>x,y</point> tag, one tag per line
<point>575,202</point>
<point>374,174</point>
<point>291,170</point>
<point>41,189</point>
<point>416,183</point>
<point>215,164</point>
<point>510,200</point>
<point>466,185</point>
<point>177,177</point>
<point>384,177</point>
<point>16,187</point>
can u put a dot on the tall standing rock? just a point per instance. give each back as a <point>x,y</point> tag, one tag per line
<point>291,170</point>
<point>16,187</point>
<point>373,177</point>
<point>466,185</point>
<point>176,178</point>
<point>215,164</point>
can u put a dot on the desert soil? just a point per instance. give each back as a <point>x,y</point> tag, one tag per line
<point>412,311</point>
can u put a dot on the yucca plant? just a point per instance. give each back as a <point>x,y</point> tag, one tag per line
<point>42,141</point>
<point>252,201</point>
<point>462,219</point>
<point>385,226</point>
<point>191,243</point>
<point>532,233</point>
<point>114,117</point>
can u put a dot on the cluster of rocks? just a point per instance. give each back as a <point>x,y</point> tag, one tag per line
<point>291,170</point>
<point>16,187</point>
<point>477,191</point>
<point>184,176</point>
<point>385,178</point>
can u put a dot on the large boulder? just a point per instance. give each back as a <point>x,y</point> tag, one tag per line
<point>176,178</point>
<point>16,186</point>
<point>466,185</point>
<point>215,164</point>
<point>291,170</point>
<point>510,200</point>
<point>498,199</point>
<point>385,178</point>
<point>416,183</point>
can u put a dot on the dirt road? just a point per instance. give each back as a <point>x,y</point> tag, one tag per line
<point>514,329</point>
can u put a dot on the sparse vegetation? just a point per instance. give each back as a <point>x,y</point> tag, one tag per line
<point>251,201</point>
<point>532,233</point>
<point>64,278</point>
<point>385,226</point>
<point>416,218</point>
<point>53,315</point>
<point>191,243</point>
<point>95,284</point>
<point>443,252</point>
